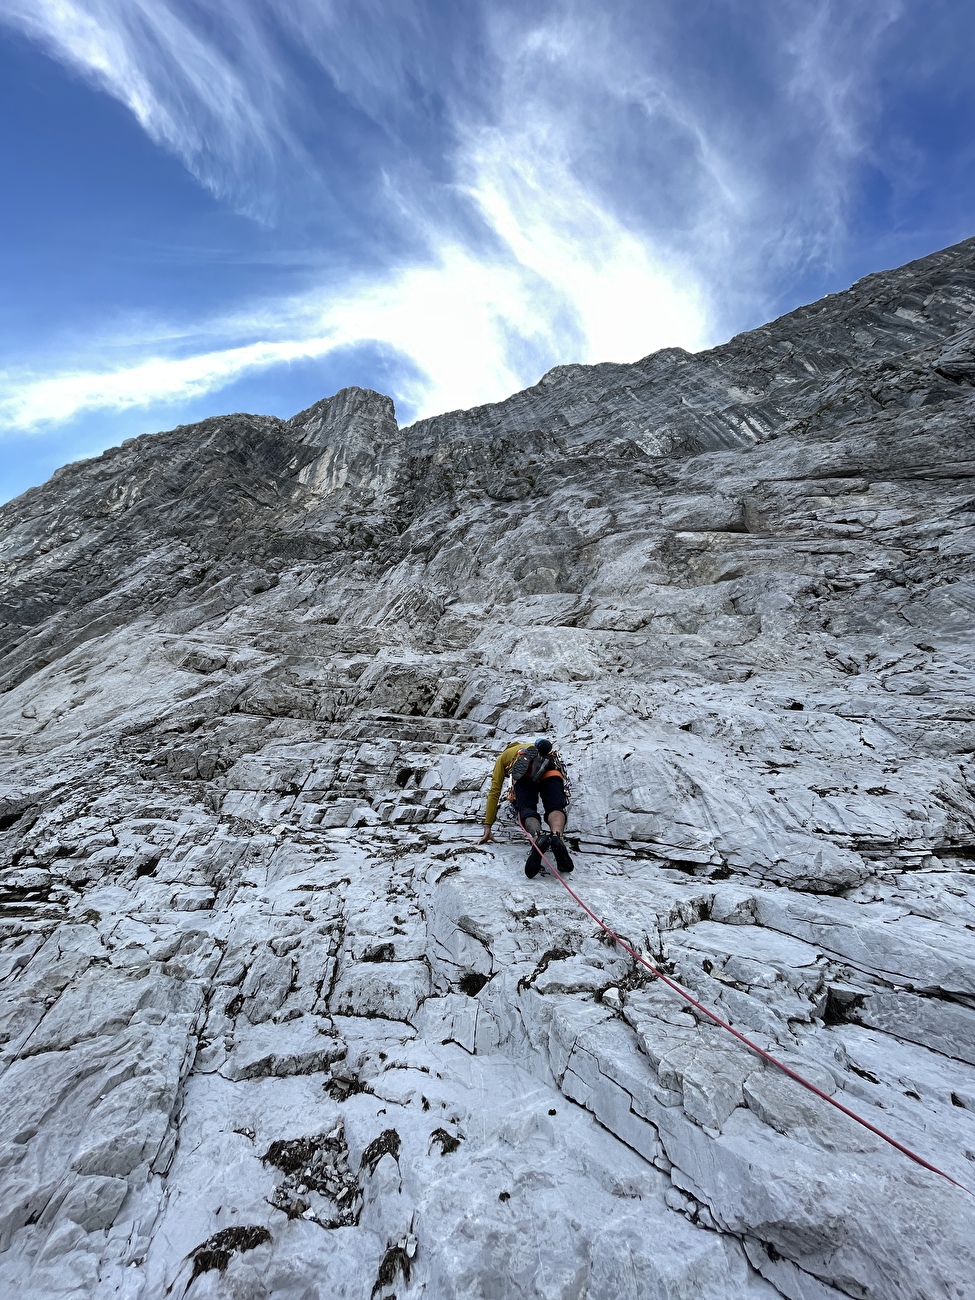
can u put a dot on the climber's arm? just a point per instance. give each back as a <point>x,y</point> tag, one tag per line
<point>494,794</point>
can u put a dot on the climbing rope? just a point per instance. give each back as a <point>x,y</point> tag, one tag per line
<point>754,1047</point>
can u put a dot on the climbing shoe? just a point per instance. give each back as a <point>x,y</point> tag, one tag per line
<point>561,855</point>
<point>534,864</point>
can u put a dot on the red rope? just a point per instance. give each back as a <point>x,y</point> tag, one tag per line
<point>767,1056</point>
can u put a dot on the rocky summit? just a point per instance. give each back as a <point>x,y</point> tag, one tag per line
<point>273,1023</point>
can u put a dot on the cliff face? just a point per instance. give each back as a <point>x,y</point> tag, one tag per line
<point>273,1024</point>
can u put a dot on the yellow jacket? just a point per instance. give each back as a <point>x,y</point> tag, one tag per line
<point>503,765</point>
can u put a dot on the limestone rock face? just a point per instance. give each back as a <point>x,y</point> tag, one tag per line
<point>274,1024</point>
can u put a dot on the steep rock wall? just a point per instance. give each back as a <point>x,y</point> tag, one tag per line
<point>272,1023</point>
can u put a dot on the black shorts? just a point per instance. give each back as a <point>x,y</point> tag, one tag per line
<point>552,790</point>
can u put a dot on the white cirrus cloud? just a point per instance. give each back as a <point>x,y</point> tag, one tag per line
<point>596,198</point>
<point>214,98</point>
<point>464,322</point>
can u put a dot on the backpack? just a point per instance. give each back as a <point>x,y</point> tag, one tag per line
<point>534,765</point>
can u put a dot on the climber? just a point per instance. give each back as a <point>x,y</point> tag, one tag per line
<point>534,770</point>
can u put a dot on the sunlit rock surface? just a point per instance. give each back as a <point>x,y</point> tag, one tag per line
<point>273,1024</point>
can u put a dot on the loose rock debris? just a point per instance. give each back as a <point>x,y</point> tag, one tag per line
<point>316,1165</point>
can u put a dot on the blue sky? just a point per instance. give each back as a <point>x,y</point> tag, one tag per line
<point>219,205</point>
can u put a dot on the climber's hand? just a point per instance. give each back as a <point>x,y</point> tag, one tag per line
<point>487,837</point>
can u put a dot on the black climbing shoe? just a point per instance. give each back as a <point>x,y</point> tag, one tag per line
<point>533,866</point>
<point>561,855</point>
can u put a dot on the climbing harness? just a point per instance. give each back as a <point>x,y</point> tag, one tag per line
<point>754,1047</point>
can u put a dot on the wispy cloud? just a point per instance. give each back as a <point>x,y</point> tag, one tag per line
<point>205,90</point>
<point>593,198</point>
<point>465,323</point>
<point>831,51</point>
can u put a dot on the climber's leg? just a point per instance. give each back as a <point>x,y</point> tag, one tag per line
<point>554,802</point>
<point>526,802</point>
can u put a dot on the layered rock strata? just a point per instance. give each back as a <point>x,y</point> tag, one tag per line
<point>272,1023</point>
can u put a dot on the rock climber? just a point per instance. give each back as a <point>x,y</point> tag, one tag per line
<point>535,770</point>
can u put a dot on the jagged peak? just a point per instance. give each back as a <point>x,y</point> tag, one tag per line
<point>347,412</point>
